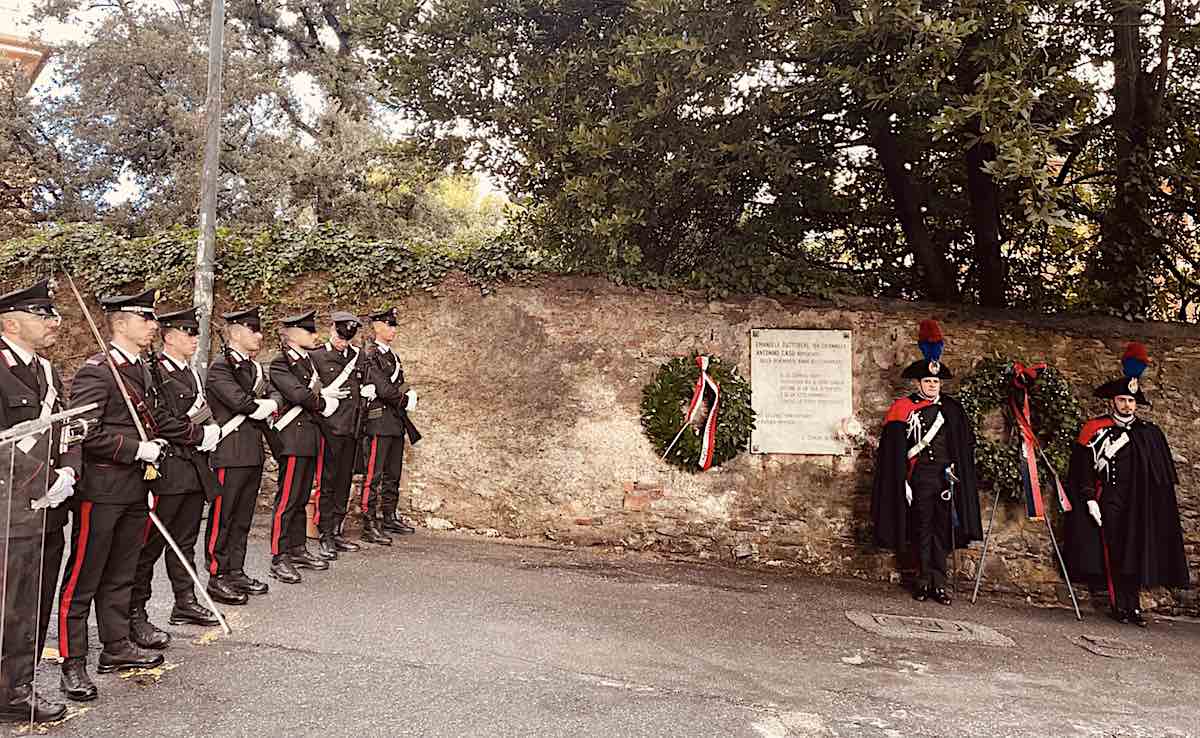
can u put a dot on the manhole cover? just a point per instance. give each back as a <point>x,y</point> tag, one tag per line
<point>928,629</point>
<point>1112,648</point>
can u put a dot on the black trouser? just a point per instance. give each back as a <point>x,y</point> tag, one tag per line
<point>28,600</point>
<point>335,470</point>
<point>105,541</point>
<point>229,518</point>
<point>931,524</point>
<point>381,486</point>
<point>295,485</point>
<point>180,515</point>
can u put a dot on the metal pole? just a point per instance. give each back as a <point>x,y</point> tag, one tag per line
<point>1062,563</point>
<point>986,538</point>
<point>206,248</point>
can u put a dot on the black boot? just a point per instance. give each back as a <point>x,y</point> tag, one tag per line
<point>189,612</point>
<point>75,683</point>
<point>371,534</point>
<point>328,549</point>
<point>221,590</point>
<point>22,703</point>
<point>144,633</point>
<point>1137,618</point>
<point>123,655</point>
<point>920,592</point>
<point>238,581</point>
<point>344,545</point>
<point>282,569</point>
<point>302,558</point>
<point>942,596</point>
<point>392,524</point>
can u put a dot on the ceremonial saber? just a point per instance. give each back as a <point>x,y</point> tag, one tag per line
<point>151,469</point>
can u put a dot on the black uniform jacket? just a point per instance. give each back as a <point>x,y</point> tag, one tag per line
<point>230,391</point>
<point>111,471</point>
<point>330,364</point>
<point>889,504</point>
<point>1138,506</point>
<point>386,415</point>
<point>183,469</point>
<point>291,374</point>
<point>21,395</point>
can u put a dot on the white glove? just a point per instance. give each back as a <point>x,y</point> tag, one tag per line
<point>1094,511</point>
<point>149,451</point>
<point>412,400</point>
<point>367,391</point>
<point>62,488</point>
<point>337,394</point>
<point>150,500</point>
<point>265,409</point>
<point>331,406</point>
<point>212,435</point>
<point>908,493</point>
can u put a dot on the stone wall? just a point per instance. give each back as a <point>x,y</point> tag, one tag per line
<point>530,411</point>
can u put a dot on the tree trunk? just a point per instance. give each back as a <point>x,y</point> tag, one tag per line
<point>937,273</point>
<point>985,225</point>
<point>1129,240</point>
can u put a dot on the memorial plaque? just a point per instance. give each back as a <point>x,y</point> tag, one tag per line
<point>800,390</point>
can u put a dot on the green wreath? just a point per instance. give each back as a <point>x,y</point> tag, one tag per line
<point>1055,412</point>
<point>665,400</point>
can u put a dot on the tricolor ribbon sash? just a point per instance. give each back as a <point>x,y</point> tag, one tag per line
<point>1024,379</point>
<point>708,439</point>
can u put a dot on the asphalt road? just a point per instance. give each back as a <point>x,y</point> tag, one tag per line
<point>449,635</point>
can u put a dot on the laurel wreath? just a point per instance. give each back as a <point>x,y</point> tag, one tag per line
<point>1055,412</point>
<point>666,397</point>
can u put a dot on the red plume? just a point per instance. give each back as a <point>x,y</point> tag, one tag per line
<point>1137,351</point>
<point>930,331</point>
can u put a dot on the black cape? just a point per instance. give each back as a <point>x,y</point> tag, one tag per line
<point>889,507</point>
<point>1139,509</point>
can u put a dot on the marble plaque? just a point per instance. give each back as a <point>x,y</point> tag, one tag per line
<point>800,389</point>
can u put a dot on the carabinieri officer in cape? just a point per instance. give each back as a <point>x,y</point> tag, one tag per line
<point>925,497</point>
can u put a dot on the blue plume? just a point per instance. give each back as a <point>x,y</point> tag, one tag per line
<point>931,350</point>
<point>1133,366</point>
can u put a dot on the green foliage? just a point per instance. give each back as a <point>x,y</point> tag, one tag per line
<point>264,265</point>
<point>1056,416</point>
<point>665,400</point>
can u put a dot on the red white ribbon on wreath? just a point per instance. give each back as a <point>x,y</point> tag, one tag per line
<point>1023,380</point>
<point>708,439</point>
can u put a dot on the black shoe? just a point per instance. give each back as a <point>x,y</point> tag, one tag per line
<point>942,596</point>
<point>22,703</point>
<point>221,590</point>
<point>920,593</point>
<point>371,534</point>
<point>1121,616</point>
<point>328,549</point>
<point>144,633</point>
<point>302,558</point>
<point>123,655</point>
<point>1137,618</point>
<point>392,525</point>
<point>343,545</point>
<point>75,683</point>
<point>283,570</point>
<point>239,582</point>
<point>190,612</point>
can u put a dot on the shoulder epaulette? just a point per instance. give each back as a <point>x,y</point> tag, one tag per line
<point>1092,427</point>
<point>902,408</point>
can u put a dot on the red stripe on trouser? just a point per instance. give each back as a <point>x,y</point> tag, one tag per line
<point>316,496</point>
<point>216,525</point>
<point>283,501</point>
<point>149,522</point>
<point>64,607</point>
<point>370,474</point>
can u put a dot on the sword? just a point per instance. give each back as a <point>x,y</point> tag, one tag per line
<point>952,478</point>
<point>151,470</point>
